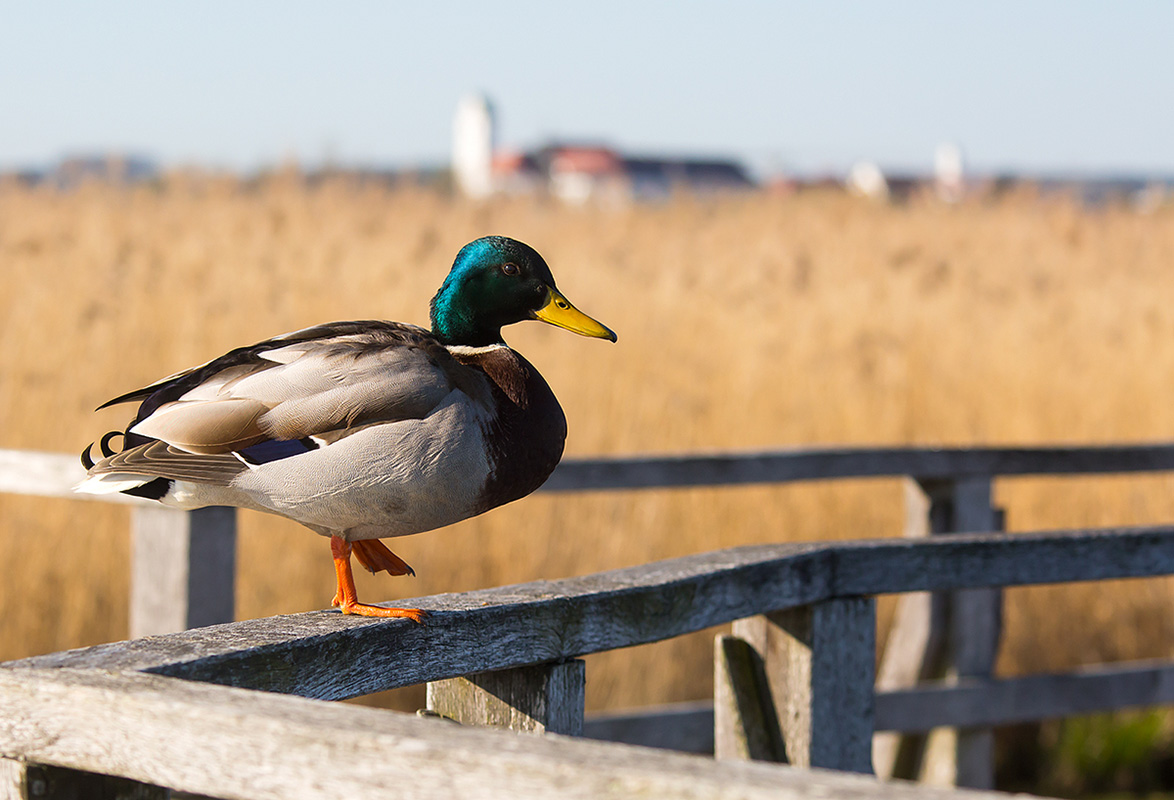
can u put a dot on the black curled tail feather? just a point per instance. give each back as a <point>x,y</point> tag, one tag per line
<point>152,490</point>
<point>103,445</point>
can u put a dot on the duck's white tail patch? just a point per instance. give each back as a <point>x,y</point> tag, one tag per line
<point>111,483</point>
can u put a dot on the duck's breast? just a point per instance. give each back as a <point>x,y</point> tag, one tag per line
<point>527,429</point>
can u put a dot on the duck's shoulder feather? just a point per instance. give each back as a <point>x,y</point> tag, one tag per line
<point>323,343</point>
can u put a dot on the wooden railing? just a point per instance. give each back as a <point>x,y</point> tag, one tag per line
<point>796,678</point>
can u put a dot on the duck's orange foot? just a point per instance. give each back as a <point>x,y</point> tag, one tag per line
<point>363,610</point>
<point>374,556</point>
<point>346,599</point>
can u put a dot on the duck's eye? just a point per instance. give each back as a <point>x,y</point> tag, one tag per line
<point>509,268</point>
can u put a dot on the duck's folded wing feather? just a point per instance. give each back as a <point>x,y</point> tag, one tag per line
<point>165,461</point>
<point>302,390</point>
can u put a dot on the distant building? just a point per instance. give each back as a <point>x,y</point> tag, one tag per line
<point>654,177</point>
<point>867,179</point>
<point>115,168</point>
<point>578,173</point>
<point>575,173</point>
<point>515,172</point>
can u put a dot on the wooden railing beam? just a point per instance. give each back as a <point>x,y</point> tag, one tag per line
<point>968,703</point>
<point>784,466</point>
<point>329,655</point>
<point>55,474</point>
<point>261,746</point>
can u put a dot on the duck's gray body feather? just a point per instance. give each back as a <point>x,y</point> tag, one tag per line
<point>358,429</point>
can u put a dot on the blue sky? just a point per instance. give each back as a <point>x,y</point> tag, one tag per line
<point>1039,86</point>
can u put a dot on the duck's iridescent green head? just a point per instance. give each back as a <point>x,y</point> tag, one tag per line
<point>497,281</point>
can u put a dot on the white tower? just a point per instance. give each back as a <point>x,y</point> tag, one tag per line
<point>473,145</point>
<point>949,172</point>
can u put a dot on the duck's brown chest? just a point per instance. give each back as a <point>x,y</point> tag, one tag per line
<point>527,430</point>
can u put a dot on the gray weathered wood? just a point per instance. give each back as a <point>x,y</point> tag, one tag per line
<point>544,698</point>
<point>964,757</point>
<point>688,726</point>
<point>976,624</point>
<point>11,777</point>
<point>50,475</point>
<point>924,463</point>
<point>977,703</point>
<point>954,636</point>
<point>965,704</point>
<point>55,474</point>
<point>231,743</point>
<point>325,654</point>
<point>820,664</point>
<point>745,725</point>
<point>183,569</point>
<point>915,649</point>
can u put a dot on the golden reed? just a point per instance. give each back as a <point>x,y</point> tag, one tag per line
<point>744,323</point>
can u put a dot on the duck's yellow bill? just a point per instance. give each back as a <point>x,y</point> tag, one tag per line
<point>559,311</point>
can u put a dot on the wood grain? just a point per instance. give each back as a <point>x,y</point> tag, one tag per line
<point>232,743</point>
<point>324,654</point>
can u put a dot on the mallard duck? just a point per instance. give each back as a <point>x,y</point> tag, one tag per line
<point>363,430</point>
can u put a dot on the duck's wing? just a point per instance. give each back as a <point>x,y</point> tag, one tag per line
<point>284,396</point>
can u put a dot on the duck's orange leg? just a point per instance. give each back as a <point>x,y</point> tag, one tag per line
<point>347,598</point>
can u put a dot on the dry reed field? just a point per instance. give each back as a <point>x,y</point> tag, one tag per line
<point>744,323</point>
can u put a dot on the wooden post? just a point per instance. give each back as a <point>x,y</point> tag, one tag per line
<point>976,621</point>
<point>744,723</point>
<point>820,664</point>
<point>20,781</point>
<point>12,774</point>
<point>949,636</point>
<point>544,698</point>
<point>183,569</point>
<point>915,649</point>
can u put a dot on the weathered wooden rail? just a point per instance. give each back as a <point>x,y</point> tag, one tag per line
<point>129,708</point>
<point>795,679</point>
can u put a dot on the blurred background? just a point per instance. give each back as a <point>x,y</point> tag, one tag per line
<point>810,225</point>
